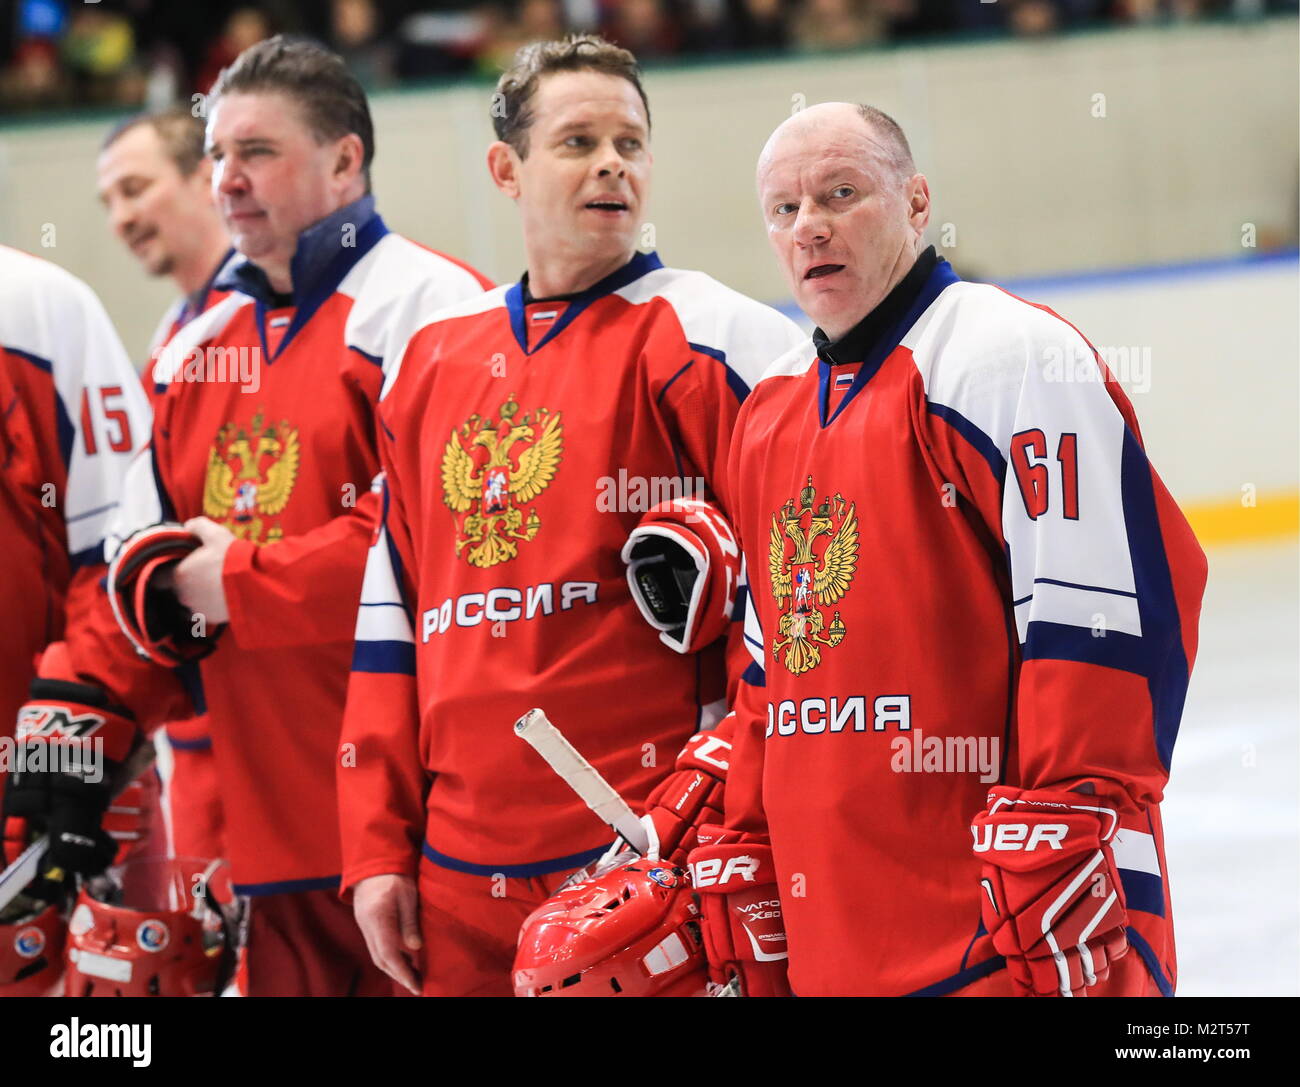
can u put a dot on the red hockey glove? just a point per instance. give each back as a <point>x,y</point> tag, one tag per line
<point>686,798</point>
<point>145,605</point>
<point>740,912</point>
<point>683,569</point>
<point>1051,895</point>
<point>72,741</point>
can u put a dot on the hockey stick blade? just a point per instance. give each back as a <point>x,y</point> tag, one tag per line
<point>583,778</point>
<point>15,878</point>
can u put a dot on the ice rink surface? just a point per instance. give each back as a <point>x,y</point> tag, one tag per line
<point>1232,809</point>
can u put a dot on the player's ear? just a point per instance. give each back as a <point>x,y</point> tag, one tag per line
<point>349,154</point>
<point>918,200</point>
<point>503,164</point>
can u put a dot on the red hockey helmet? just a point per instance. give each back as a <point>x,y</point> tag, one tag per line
<point>152,927</point>
<point>31,947</point>
<point>632,930</point>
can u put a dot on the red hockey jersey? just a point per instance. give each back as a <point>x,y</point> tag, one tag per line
<point>963,570</point>
<point>266,426</point>
<point>71,414</point>
<point>522,441</point>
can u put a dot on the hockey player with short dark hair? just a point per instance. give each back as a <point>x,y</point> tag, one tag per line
<point>952,549</point>
<point>524,437</point>
<point>263,445</point>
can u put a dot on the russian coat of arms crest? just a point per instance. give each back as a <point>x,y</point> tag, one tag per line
<point>492,470</point>
<point>812,555</point>
<point>250,477</point>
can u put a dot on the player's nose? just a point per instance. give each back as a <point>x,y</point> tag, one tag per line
<point>228,179</point>
<point>811,225</point>
<point>610,163</point>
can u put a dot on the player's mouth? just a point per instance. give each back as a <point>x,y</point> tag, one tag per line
<point>608,205</point>
<point>821,271</point>
<point>142,238</point>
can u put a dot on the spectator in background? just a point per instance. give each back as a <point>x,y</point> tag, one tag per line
<point>1033,18</point>
<point>245,27</point>
<point>355,35</point>
<point>823,25</point>
<point>35,80</point>
<point>99,52</point>
<point>503,36</point>
<point>643,27</point>
<point>760,24</point>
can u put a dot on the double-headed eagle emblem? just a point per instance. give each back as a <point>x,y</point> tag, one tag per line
<point>251,473</point>
<point>491,471</point>
<point>814,577</point>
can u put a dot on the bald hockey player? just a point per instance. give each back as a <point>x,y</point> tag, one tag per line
<point>263,444</point>
<point>524,438</point>
<point>975,610</point>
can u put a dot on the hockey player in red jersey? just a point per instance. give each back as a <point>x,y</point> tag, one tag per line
<point>515,437</point>
<point>974,612</point>
<point>155,184</point>
<point>263,443</point>
<point>73,414</point>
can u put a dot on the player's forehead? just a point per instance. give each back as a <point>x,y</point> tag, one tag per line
<point>586,99</point>
<point>268,115</point>
<point>811,155</point>
<point>138,150</point>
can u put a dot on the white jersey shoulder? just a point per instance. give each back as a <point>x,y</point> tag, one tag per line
<point>977,346</point>
<point>59,323</point>
<point>393,282</point>
<point>747,334</point>
<point>792,363</point>
<point>173,355</point>
<point>420,314</point>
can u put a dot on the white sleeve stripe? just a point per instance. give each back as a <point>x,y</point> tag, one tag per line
<point>1053,603</point>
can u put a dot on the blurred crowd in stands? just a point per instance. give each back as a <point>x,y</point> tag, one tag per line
<point>59,53</point>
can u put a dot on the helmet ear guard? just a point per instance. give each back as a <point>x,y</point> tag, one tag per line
<point>32,935</point>
<point>631,930</point>
<point>154,621</point>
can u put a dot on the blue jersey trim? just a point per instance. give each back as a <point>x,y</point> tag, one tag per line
<point>1061,642</point>
<point>377,360</point>
<point>1143,891</point>
<point>87,556</point>
<point>64,429</point>
<point>985,446</point>
<point>204,744</point>
<point>384,658</point>
<point>1162,636</point>
<point>962,978</point>
<point>940,278</point>
<point>287,886</point>
<point>754,675</point>
<point>634,269</point>
<point>514,871</point>
<point>1084,588</point>
<point>735,382</point>
<point>1149,957</point>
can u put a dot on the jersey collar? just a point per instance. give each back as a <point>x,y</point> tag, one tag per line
<point>518,297</point>
<point>873,339</point>
<point>322,259</point>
